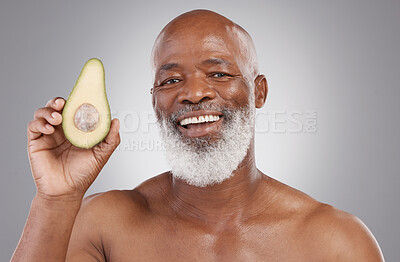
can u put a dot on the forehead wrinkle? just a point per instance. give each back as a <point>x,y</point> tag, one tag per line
<point>168,66</point>
<point>216,61</point>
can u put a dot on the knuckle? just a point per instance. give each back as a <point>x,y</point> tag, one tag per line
<point>50,102</point>
<point>38,112</point>
<point>32,124</point>
<point>35,114</point>
<point>47,112</point>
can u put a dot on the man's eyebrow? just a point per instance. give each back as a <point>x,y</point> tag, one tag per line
<point>168,66</point>
<point>212,61</point>
<point>216,61</point>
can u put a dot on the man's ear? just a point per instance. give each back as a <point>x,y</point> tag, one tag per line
<point>153,98</point>
<point>153,102</point>
<point>260,90</point>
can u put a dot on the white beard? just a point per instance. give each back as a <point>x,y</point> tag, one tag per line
<point>201,162</point>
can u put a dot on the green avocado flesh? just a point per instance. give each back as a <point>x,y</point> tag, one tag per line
<point>86,114</point>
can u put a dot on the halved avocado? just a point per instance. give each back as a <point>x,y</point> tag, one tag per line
<point>86,114</point>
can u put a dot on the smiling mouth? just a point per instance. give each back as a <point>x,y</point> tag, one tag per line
<point>190,122</point>
<point>200,123</point>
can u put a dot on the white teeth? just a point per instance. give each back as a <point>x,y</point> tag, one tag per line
<point>184,122</point>
<point>200,119</point>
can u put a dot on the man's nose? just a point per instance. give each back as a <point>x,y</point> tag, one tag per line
<point>195,91</point>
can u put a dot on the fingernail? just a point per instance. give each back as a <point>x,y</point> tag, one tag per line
<point>59,101</point>
<point>55,115</point>
<point>48,126</point>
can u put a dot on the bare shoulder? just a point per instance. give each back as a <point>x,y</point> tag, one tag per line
<point>113,202</point>
<point>103,212</point>
<point>348,237</point>
<point>117,202</point>
<point>324,229</point>
<point>100,217</point>
<point>342,236</point>
<point>108,199</point>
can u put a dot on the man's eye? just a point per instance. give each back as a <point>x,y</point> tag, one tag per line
<point>171,81</point>
<point>218,75</point>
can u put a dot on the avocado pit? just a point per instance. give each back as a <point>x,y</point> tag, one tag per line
<point>86,117</point>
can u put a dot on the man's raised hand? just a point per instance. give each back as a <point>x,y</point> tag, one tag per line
<point>61,170</point>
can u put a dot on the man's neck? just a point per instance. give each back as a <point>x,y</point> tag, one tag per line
<point>221,203</point>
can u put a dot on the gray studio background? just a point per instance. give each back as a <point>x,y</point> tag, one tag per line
<point>329,128</point>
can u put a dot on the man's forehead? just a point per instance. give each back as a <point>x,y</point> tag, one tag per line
<point>202,46</point>
<point>200,31</point>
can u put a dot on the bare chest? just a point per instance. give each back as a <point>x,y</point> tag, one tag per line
<point>179,242</point>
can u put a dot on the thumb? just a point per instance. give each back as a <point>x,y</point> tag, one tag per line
<point>110,142</point>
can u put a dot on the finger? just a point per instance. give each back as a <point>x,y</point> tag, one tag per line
<point>56,103</point>
<point>113,137</point>
<point>38,127</point>
<point>110,143</point>
<point>49,114</point>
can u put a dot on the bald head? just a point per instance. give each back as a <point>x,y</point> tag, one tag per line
<point>213,31</point>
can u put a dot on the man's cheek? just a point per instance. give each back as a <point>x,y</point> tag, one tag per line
<point>235,94</point>
<point>165,101</point>
<point>159,110</point>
